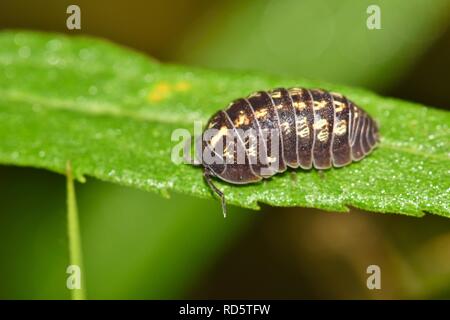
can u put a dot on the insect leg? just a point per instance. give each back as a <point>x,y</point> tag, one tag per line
<point>207,176</point>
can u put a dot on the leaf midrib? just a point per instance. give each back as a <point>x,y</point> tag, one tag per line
<point>99,108</point>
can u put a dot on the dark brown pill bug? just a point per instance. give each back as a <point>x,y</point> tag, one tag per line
<point>313,128</point>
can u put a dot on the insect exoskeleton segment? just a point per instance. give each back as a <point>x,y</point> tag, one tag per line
<point>263,134</point>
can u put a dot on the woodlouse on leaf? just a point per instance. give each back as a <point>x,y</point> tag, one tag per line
<point>293,127</point>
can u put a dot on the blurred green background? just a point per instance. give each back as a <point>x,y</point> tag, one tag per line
<point>139,245</point>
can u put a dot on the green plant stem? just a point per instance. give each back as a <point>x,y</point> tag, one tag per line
<point>73,231</point>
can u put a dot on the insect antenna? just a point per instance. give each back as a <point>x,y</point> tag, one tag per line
<point>207,175</point>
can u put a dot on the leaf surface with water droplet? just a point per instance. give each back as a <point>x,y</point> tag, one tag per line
<point>111,111</point>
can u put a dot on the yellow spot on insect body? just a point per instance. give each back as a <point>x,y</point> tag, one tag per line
<point>299,105</point>
<point>212,124</point>
<point>229,154</point>
<point>302,127</point>
<point>322,123</point>
<point>251,151</point>
<point>320,104</point>
<point>286,127</point>
<point>271,159</point>
<point>254,94</point>
<point>261,113</point>
<point>242,119</point>
<point>295,91</point>
<point>275,94</point>
<point>322,127</point>
<point>339,106</point>
<point>222,132</point>
<point>341,128</point>
<point>323,135</point>
<point>279,106</point>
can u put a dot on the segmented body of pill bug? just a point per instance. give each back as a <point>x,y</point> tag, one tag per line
<point>312,128</point>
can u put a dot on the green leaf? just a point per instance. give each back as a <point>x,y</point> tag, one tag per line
<point>111,112</point>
